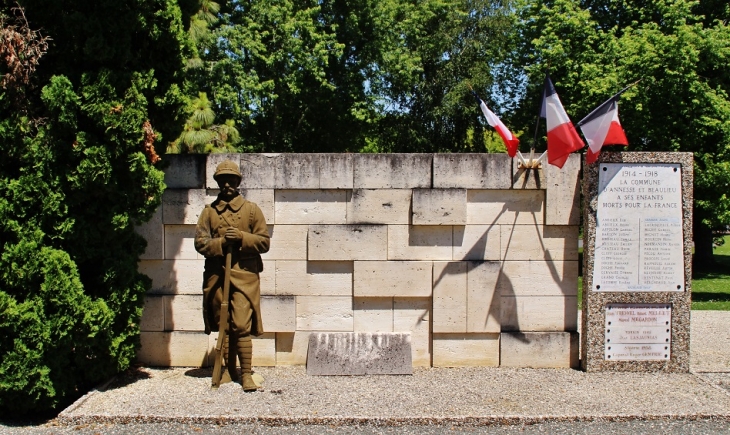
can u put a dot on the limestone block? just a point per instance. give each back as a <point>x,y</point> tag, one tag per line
<point>297,171</point>
<point>264,198</point>
<point>524,178</point>
<point>505,207</point>
<point>173,349</point>
<point>264,350</point>
<point>540,349</point>
<point>314,278</point>
<point>539,278</point>
<point>563,193</point>
<point>212,161</point>
<point>310,207</point>
<point>291,348</point>
<point>347,242</point>
<point>279,313</point>
<point>335,171</point>
<point>180,243</point>
<point>359,353</point>
<point>392,171</point>
<point>267,278</point>
<point>465,350</point>
<point>426,242</point>
<point>449,296</point>
<point>184,171</point>
<point>171,277</point>
<point>184,313</point>
<point>183,206</point>
<point>258,171</point>
<point>379,206</point>
<point>483,302</point>
<point>153,314</point>
<point>538,242</point>
<point>324,313</point>
<point>477,242</point>
<point>439,206</point>
<point>373,314</point>
<point>472,171</point>
<point>154,233</point>
<point>392,278</point>
<point>413,315</point>
<point>288,242</point>
<point>539,313</point>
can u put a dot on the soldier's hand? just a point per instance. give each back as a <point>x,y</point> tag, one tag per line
<point>233,236</point>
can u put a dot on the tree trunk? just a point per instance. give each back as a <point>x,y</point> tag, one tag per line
<point>703,258</point>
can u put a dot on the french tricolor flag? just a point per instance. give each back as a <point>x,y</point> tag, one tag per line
<point>602,127</point>
<point>510,141</point>
<point>562,139</point>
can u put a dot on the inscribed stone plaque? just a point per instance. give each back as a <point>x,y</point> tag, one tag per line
<point>639,242</point>
<point>638,332</point>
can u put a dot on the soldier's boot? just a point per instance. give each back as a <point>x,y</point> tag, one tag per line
<point>245,353</point>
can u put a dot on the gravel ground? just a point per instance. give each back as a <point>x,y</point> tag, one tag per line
<point>457,400</point>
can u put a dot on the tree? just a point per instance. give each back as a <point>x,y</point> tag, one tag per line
<point>77,137</point>
<point>595,47</point>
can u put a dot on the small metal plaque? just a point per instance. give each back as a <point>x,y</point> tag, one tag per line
<point>639,239</point>
<point>638,332</point>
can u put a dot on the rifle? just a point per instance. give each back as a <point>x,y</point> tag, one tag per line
<point>223,323</point>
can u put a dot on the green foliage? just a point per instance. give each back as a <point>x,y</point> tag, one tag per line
<point>75,178</point>
<point>200,135</point>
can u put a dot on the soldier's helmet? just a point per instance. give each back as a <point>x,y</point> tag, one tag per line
<point>227,168</point>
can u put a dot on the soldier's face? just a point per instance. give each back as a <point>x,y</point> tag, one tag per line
<point>228,185</point>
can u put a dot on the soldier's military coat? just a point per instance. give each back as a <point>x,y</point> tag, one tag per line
<point>246,264</point>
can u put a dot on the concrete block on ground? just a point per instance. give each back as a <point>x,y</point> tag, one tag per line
<point>171,277</point>
<point>335,171</point>
<point>264,198</point>
<point>297,171</point>
<point>439,206</point>
<point>563,193</point>
<point>538,242</point>
<point>153,314</point>
<point>314,278</point>
<point>472,171</point>
<point>392,171</point>
<point>465,350</point>
<point>264,350</point>
<point>483,301</point>
<point>279,313</point>
<point>258,171</point>
<point>539,349</point>
<point>184,171</point>
<point>359,353</point>
<point>184,313</point>
<point>288,242</point>
<point>180,243</point>
<point>291,348</point>
<point>373,314</point>
<point>449,296</point>
<point>267,283</point>
<point>293,207</point>
<point>477,242</point>
<point>347,242</point>
<point>379,206</point>
<point>392,278</point>
<point>173,349</point>
<point>414,315</point>
<point>505,207</point>
<point>212,162</point>
<point>153,232</point>
<point>538,278</point>
<point>324,313</point>
<point>539,313</point>
<point>426,242</point>
<point>183,206</point>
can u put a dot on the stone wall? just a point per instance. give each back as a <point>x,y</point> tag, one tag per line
<point>476,259</point>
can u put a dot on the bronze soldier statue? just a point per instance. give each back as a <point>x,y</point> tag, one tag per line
<point>232,234</point>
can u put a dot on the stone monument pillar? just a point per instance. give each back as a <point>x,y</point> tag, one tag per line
<point>637,252</point>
